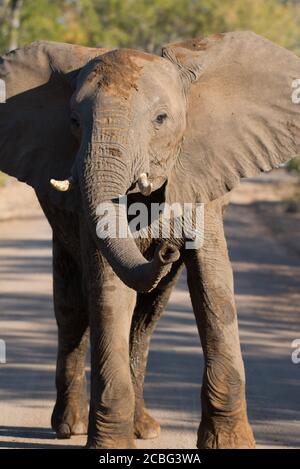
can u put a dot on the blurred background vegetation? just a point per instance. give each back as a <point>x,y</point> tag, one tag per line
<point>145,24</point>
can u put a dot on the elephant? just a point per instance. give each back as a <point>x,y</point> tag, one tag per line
<point>84,126</point>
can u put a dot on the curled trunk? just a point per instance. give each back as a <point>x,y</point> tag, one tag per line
<point>103,178</point>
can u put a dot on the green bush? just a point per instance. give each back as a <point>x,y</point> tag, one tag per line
<point>144,23</point>
<point>3,179</point>
<point>293,166</point>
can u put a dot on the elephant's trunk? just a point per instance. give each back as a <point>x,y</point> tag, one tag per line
<point>103,177</point>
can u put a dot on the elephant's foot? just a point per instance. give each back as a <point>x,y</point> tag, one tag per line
<point>70,419</point>
<point>111,443</point>
<point>225,434</point>
<point>145,426</point>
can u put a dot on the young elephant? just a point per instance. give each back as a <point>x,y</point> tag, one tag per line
<point>181,127</point>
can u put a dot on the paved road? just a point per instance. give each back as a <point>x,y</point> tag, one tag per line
<point>267,279</point>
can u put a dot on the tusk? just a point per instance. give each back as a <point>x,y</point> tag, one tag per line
<point>144,185</point>
<point>63,186</point>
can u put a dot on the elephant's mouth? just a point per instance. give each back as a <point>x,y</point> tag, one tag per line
<point>103,181</point>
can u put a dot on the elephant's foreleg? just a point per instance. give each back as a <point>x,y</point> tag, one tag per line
<point>147,312</point>
<point>224,422</point>
<point>70,413</point>
<point>111,305</point>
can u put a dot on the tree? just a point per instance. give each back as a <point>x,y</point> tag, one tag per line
<point>145,24</point>
<point>16,8</point>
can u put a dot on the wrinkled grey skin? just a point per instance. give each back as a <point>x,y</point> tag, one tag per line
<point>119,320</point>
<point>115,107</point>
<point>134,113</point>
<point>116,147</point>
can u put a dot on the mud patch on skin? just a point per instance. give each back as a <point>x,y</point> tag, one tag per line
<point>80,51</point>
<point>118,72</point>
<point>116,152</point>
<point>231,434</point>
<point>198,44</point>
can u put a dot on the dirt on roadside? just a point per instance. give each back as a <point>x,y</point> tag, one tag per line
<point>17,200</point>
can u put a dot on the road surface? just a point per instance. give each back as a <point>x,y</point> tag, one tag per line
<point>267,279</point>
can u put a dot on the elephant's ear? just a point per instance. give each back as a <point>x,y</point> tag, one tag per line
<point>243,112</point>
<point>36,143</point>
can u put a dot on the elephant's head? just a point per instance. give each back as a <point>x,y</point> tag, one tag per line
<point>195,119</point>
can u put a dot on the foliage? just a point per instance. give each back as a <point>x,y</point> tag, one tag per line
<point>3,179</point>
<point>293,166</point>
<point>146,23</point>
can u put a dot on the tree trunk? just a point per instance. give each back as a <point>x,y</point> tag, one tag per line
<point>16,9</point>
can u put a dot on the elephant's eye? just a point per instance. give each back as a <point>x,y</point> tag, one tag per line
<point>75,122</point>
<point>160,118</point>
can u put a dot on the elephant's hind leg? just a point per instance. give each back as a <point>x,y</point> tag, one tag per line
<point>148,310</point>
<point>70,414</point>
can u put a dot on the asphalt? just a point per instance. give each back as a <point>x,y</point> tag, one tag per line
<point>267,279</point>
